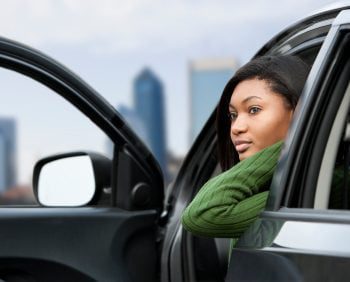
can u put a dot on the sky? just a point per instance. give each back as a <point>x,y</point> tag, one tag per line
<point>108,43</point>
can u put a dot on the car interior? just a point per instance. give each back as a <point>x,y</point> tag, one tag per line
<point>333,182</point>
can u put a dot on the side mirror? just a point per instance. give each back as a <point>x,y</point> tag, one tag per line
<point>72,179</point>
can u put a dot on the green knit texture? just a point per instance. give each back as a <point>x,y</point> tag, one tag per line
<point>228,203</point>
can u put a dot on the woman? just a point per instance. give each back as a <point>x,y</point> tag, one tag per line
<point>253,116</point>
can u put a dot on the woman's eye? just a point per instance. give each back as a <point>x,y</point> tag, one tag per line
<point>232,116</point>
<point>254,110</point>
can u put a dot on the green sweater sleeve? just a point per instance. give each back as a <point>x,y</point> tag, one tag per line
<point>228,203</point>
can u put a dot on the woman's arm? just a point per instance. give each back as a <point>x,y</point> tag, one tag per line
<point>228,203</point>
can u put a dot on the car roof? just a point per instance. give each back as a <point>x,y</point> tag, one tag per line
<point>324,14</point>
<point>339,5</point>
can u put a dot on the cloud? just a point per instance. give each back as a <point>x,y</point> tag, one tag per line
<point>109,26</point>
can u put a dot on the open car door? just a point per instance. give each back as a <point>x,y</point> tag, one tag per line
<point>98,215</point>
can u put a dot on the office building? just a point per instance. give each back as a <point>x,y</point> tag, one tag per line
<point>149,106</point>
<point>7,153</point>
<point>207,79</point>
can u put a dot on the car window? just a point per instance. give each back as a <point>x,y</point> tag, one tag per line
<point>35,123</point>
<point>333,184</point>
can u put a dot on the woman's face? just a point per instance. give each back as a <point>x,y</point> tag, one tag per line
<point>259,117</point>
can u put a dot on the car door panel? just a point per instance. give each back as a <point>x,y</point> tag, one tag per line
<point>298,247</point>
<point>291,265</point>
<point>98,244</point>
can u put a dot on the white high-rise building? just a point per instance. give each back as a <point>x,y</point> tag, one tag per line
<point>207,79</point>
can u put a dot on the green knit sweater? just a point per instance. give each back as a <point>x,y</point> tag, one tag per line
<point>228,203</point>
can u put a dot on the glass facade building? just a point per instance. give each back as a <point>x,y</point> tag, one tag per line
<point>7,153</point>
<point>207,79</point>
<point>149,106</point>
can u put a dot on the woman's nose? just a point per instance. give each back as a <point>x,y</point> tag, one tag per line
<point>239,125</point>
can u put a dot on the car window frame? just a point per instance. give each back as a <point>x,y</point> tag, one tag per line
<point>35,65</point>
<point>287,182</point>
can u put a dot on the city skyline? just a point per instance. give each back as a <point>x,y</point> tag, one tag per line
<point>107,43</point>
<point>109,54</point>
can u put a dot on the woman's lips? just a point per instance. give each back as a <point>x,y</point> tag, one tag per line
<point>242,146</point>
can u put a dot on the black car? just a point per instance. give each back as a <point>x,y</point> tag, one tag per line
<point>121,227</point>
